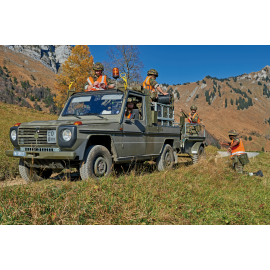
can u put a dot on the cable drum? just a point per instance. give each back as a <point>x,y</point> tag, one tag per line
<point>164,99</point>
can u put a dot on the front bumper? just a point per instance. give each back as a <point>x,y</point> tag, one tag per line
<point>45,155</point>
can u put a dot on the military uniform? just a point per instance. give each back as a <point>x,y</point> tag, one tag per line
<point>95,77</point>
<point>192,130</point>
<point>237,165</point>
<point>151,84</point>
<point>98,66</point>
<point>238,155</point>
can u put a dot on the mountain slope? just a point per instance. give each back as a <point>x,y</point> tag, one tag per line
<point>240,103</point>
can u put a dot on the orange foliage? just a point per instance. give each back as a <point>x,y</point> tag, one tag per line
<point>77,68</point>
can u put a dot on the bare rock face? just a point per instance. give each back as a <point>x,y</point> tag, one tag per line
<point>51,56</point>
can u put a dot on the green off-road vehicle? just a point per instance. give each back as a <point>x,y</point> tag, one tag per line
<point>92,134</point>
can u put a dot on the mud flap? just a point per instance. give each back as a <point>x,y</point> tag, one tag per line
<point>195,148</point>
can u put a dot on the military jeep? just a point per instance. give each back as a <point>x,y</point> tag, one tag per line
<point>92,134</point>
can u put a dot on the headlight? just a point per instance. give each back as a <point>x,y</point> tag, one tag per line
<point>66,134</point>
<point>13,135</point>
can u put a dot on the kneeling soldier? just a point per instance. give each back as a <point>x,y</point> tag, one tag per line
<point>238,154</point>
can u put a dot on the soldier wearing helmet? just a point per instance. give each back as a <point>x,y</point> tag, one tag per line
<point>99,81</point>
<point>237,151</point>
<point>130,106</point>
<point>193,116</point>
<point>151,84</point>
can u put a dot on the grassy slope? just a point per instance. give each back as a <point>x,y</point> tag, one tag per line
<point>10,115</point>
<point>206,193</point>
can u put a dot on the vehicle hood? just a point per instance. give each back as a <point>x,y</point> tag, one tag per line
<point>69,122</point>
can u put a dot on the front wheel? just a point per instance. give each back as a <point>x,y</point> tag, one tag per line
<point>166,158</point>
<point>33,174</point>
<point>97,162</point>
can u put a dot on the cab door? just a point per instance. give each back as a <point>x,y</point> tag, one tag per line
<point>134,139</point>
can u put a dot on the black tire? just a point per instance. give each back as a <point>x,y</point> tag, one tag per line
<point>200,155</point>
<point>97,162</point>
<point>166,158</point>
<point>31,174</point>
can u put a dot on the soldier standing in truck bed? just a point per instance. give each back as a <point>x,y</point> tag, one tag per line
<point>238,155</point>
<point>151,84</point>
<point>98,81</point>
<point>193,118</point>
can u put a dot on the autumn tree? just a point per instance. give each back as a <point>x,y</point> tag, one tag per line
<point>77,68</point>
<point>126,58</point>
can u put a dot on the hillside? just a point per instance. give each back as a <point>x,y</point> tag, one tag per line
<point>26,82</point>
<point>12,115</point>
<point>240,103</point>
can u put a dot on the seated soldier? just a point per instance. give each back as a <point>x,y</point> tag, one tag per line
<point>193,118</point>
<point>129,114</point>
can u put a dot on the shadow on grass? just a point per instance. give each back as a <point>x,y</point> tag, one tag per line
<point>133,168</point>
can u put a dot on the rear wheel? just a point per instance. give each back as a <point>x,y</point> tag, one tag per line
<point>97,162</point>
<point>166,158</point>
<point>200,155</point>
<point>33,174</point>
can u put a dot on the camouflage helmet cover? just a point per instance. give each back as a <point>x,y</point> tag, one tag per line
<point>132,100</point>
<point>193,107</point>
<point>232,132</point>
<point>98,66</point>
<point>152,72</point>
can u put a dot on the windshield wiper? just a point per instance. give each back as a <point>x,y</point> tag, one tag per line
<point>96,114</point>
<point>73,114</point>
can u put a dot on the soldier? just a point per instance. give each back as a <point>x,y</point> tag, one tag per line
<point>238,154</point>
<point>99,80</point>
<point>193,118</point>
<point>151,84</point>
<point>130,106</point>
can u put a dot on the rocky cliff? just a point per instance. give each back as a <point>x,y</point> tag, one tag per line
<point>51,56</point>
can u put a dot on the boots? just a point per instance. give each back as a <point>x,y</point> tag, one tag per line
<point>258,173</point>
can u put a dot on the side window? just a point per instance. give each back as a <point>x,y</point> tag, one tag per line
<point>138,107</point>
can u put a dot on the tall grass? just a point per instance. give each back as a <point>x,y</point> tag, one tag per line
<point>205,193</point>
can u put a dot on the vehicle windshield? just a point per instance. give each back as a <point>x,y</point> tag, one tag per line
<point>99,104</point>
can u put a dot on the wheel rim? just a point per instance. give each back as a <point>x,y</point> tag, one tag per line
<point>168,159</point>
<point>100,166</point>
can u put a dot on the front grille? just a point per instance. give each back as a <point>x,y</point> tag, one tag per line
<point>26,136</point>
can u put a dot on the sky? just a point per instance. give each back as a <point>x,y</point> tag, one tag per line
<point>177,64</point>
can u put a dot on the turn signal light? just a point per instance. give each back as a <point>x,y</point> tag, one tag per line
<point>17,125</point>
<point>115,73</point>
<point>77,123</point>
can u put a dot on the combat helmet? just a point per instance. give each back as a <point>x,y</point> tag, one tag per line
<point>132,100</point>
<point>152,72</point>
<point>98,66</point>
<point>232,132</point>
<point>193,107</point>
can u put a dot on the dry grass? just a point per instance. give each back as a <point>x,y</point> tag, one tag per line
<point>12,114</point>
<point>206,193</point>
